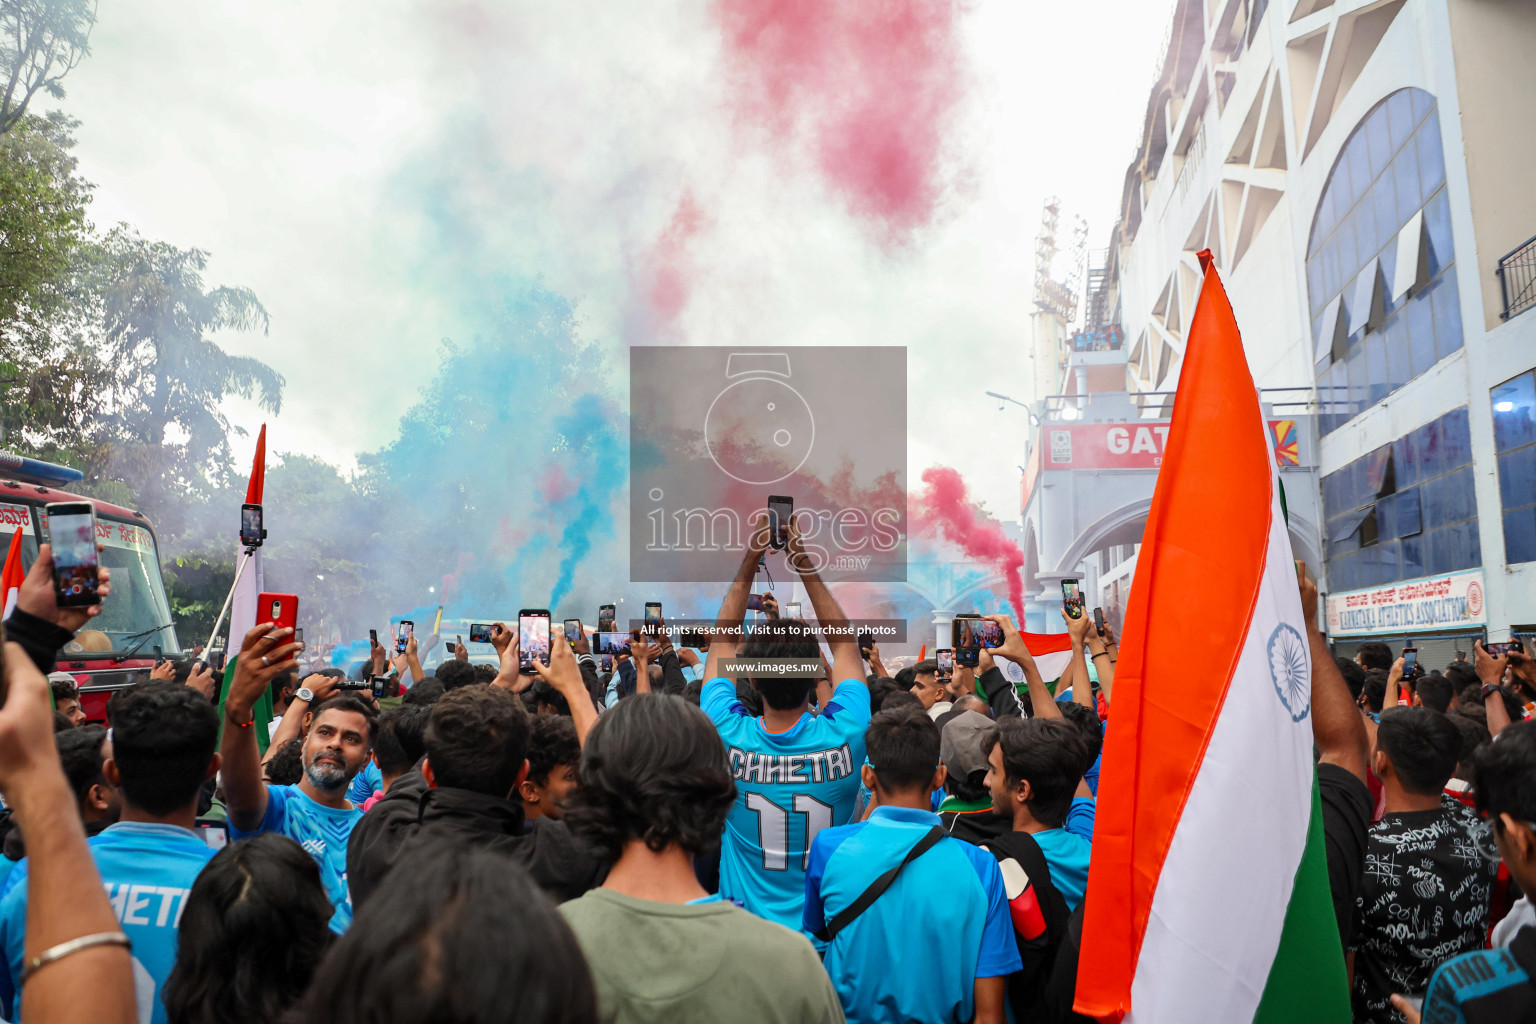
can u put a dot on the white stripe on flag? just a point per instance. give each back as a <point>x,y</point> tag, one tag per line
<point>1220,901</point>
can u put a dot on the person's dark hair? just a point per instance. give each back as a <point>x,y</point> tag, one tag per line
<point>551,742</point>
<point>61,723</point>
<point>80,751</point>
<point>401,738</point>
<point>63,690</point>
<point>879,688</point>
<point>424,693</point>
<point>1474,733</point>
<point>545,693</point>
<point>782,638</point>
<point>286,767</point>
<point>163,739</point>
<point>1435,691</point>
<point>477,738</point>
<point>1462,674</point>
<point>330,671</point>
<point>1046,753</point>
<point>253,929</point>
<point>1422,745</point>
<point>485,673</point>
<point>903,748</point>
<point>436,945</point>
<point>1374,654</point>
<point>898,699</point>
<point>693,693</point>
<point>1375,689</point>
<point>926,667</point>
<point>904,678</point>
<point>1354,676</point>
<point>349,702</point>
<point>283,685</point>
<point>1088,723</point>
<point>1513,705</point>
<point>653,768</point>
<point>454,674</point>
<point>1503,773</point>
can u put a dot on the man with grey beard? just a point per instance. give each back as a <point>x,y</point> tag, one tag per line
<point>315,813</point>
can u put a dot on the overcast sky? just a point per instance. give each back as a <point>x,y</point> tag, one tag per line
<point>306,147</point>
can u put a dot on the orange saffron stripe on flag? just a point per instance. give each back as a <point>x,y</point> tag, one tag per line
<point>258,470</point>
<point>1202,560</point>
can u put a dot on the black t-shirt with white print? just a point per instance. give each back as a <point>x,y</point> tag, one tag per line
<point>1423,899</point>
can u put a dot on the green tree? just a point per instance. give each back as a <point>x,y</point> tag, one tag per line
<point>41,41</point>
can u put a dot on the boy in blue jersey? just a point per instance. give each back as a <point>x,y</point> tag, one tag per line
<point>937,944</point>
<point>796,773</point>
<point>315,813</point>
<point>160,752</point>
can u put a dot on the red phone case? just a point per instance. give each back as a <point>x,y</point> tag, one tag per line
<point>285,614</point>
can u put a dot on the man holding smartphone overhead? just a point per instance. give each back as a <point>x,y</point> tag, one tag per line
<point>796,773</point>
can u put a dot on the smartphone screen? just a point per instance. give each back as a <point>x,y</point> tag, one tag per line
<point>532,639</point>
<point>403,636</point>
<point>1098,619</point>
<point>606,664</point>
<point>1410,661</point>
<point>754,602</point>
<point>792,609</point>
<point>479,632</point>
<point>605,618</point>
<point>946,660</point>
<point>652,616</point>
<point>451,647</point>
<point>612,643</point>
<point>1072,598</point>
<point>866,641</point>
<point>572,631</point>
<point>988,632</point>
<point>250,525</point>
<point>780,508</point>
<point>373,637</point>
<point>72,534</point>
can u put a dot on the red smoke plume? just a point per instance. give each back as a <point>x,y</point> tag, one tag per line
<point>945,505</point>
<point>869,88</point>
<point>670,266</point>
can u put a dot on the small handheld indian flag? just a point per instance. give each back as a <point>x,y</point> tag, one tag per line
<point>1208,888</point>
<point>12,575</point>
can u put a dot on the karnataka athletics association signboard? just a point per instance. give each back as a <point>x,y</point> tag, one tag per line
<point>1452,601</point>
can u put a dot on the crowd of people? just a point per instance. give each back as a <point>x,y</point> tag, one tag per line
<point>664,843</point>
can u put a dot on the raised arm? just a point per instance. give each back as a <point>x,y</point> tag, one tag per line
<point>564,675</point>
<point>1103,661</point>
<point>733,609</point>
<point>1040,699</point>
<point>1337,726</point>
<point>323,688</point>
<point>259,662</point>
<point>847,661</point>
<point>1082,685</point>
<point>1490,670</point>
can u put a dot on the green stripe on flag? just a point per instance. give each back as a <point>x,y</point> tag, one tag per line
<point>1307,980</point>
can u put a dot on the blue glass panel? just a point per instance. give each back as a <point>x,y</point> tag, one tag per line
<point>1330,489</point>
<point>1460,500</point>
<point>1405,182</point>
<point>1437,221</point>
<point>1432,497</point>
<point>1376,366</point>
<point>1359,379</point>
<point>1520,535</point>
<point>1359,165</point>
<point>1386,516</point>
<point>1384,198</point>
<point>1327,216</point>
<point>1405,462</point>
<point>1349,252</point>
<point>1400,118</point>
<point>1514,412</point>
<point>1430,454</point>
<point>1338,397</point>
<point>1422,101</point>
<point>1517,477</point>
<point>1341,186</point>
<point>1407,509</point>
<point>1456,438</point>
<point>1399,355</point>
<point>1431,159</point>
<point>1421,332</point>
<point>1388,264</point>
<point>1437,552</point>
<point>1447,314</point>
<point>1464,545</point>
<point>1330,257</point>
<point>1315,298</point>
<point>1365,229</point>
<point>1411,557</point>
<point>1378,140</point>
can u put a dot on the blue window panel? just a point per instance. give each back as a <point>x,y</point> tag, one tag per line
<point>1411,557</point>
<point>1386,517</point>
<point>1419,314</point>
<point>1517,477</point>
<point>1460,499</point>
<point>1432,497</point>
<point>1520,535</point>
<point>1359,165</point>
<point>1422,102</point>
<point>1400,119</point>
<point>1359,378</point>
<point>1340,185</point>
<point>1349,252</point>
<point>1431,463</point>
<point>1315,290</point>
<point>1366,235</point>
<point>1456,438</point>
<point>1327,217</point>
<point>1514,412</point>
<point>1399,354</point>
<point>1405,181</point>
<point>1384,199</point>
<point>1388,264</point>
<point>1405,462</point>
<point>1437,221</point>
<point>1346,569</point>
<point>1331,506</point>
<point>1437,552</point>
<point>1330,260</point>
<point>1378,140</point>
<point>1376,366</point>
<point>1446,298</point>
<point>1431,159</point>
<point>1407,510</point>
<point>1465,546</point>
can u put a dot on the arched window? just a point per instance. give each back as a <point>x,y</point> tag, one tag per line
<point>1381,280</point>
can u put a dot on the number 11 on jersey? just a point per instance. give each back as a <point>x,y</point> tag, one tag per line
<point>773,827</point>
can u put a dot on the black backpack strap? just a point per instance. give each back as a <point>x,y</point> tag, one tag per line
<point>878,886</point>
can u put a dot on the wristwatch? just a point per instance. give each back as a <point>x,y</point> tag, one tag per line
<point>305,694</point>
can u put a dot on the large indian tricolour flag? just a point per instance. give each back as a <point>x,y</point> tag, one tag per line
<point>1208,893</point>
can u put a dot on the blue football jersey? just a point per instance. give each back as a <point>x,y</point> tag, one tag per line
<point>365,783</point>
<point>789,786</point>
<point>321,830</point>
<point>147,871</point>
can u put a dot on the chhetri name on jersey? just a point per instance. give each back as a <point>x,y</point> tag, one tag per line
<point>819,766</point>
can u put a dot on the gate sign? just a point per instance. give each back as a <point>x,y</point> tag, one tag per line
<point>1137,444</point>
<point>1452,601</point>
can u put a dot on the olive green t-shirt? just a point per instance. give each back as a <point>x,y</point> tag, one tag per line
<point>697,963</point>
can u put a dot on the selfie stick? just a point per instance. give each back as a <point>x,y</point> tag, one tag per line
<point>219,622</point>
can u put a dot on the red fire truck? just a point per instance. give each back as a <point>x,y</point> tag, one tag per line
<point>118,646</point>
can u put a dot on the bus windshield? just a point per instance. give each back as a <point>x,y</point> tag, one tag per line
<point>136,616</point>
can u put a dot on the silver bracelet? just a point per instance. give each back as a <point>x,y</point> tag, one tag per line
<point>64,949</point>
